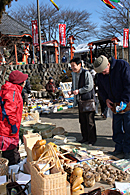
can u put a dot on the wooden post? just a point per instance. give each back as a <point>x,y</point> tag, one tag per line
<point>56,51</point>
<point>91,54</point>
<point>71,42</point>
<point>71,49</point>
<point>115,49</point>
<point>16,58</point>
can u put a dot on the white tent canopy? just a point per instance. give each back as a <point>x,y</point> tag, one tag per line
<point>82,48</point>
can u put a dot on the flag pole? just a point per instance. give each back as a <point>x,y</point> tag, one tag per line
<point>39,32</point>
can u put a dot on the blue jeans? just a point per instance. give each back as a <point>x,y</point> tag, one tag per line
<point>121,132</point>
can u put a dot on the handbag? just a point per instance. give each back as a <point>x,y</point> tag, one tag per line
<point>104,192</point>
<point>17,187</point>
<point>111,192</point>
<point>86,105</point>
<point>93,192</point>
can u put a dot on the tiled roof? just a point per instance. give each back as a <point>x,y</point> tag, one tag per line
<point>10,26</point>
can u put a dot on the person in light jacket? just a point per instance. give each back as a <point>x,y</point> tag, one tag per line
<point>82,86</point>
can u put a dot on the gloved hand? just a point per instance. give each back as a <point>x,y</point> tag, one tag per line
<point>14,129</point>
<point>121,107</point>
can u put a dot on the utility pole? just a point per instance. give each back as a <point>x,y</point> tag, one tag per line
<point>128,35</point>
<point>39,33</point>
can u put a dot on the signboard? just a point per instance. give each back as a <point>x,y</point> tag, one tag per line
<point>125,37</point>
<point>66,87</point>
<point>62,34</point>
<point>34,32</point>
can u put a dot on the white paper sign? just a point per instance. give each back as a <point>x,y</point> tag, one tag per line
<point>122,186</point>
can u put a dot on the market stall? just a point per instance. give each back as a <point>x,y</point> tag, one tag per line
<point>61,165</point>
<point>52,162</point>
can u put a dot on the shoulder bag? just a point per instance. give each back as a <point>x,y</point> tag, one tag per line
<point>86,105</point>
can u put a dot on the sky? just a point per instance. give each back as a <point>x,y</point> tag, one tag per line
<point>91,6</point>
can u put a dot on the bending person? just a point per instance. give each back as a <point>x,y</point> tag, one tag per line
<point>114,88</point>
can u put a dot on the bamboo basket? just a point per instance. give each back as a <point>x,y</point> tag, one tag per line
<point>52,184</point>
<point>3,166</point>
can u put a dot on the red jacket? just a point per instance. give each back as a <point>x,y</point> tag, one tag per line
<point>11,106</point>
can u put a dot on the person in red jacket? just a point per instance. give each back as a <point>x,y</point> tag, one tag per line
<point>11,106</point>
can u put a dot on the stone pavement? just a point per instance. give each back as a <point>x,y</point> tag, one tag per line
<point>68,119</point>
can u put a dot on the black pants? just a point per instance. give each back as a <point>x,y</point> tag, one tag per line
<point>88,127</point>
<point>12,155</point>
<point>103,105</point>
<point>25,99</point>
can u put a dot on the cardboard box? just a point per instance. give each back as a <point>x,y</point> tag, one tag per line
<point>29,154</point>
<point>30,139</point>
<point>3,189</point>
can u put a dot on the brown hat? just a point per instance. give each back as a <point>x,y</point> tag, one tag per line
<point>17,77</point>
<point>100,64</point>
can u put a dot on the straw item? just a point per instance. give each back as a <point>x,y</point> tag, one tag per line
<point>52,184</point>
<point>58,131</point>
<point>3,166</point>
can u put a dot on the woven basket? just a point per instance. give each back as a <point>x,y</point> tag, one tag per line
<point>3,166</point>
<point>53,184</point>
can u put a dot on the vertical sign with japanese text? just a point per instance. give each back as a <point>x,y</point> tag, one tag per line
<point>125,37</point>
<point>62,34</point>
<point>34,32</point>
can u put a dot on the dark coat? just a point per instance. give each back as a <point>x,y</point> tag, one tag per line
<point>27,88</point>
<point>119,77</point>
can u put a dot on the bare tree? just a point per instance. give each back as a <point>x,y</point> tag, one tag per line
<point>3,4</point>
<point>49,21</point>
<point>25,14</point>
<point>114,20</point>
<point>78,22</point>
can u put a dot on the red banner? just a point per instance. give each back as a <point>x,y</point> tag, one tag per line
<point>62,34</point>
<point>125,37</point>
<point>34,32</point>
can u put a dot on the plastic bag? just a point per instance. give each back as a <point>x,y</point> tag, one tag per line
<point>109,113</point>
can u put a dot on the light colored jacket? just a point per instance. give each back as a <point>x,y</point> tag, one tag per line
<point>89,84</point>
